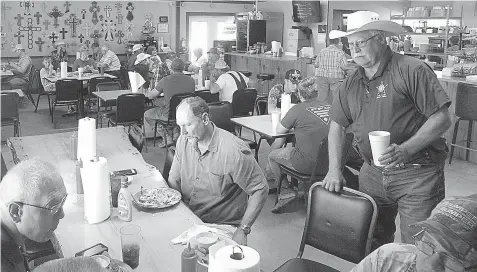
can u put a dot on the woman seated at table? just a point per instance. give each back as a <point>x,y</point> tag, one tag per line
<point>45,72</point>
<point>84,62</point>
<point>141,66</point>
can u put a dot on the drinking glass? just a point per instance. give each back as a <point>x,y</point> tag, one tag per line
<point>130,244</point>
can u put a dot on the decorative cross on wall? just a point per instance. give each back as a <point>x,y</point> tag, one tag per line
<point>118,6</point>
<point>19,19</point>
<point>87,42</point>
<point>108,10</point>
<point>67,6</point>
<point>94,9</point>
<point>5,8</point>
<point>101,17</point>
<point>73,21</point>
<point>86,27</point>
<point>96,36</point>
<point>27,5</point>
<point>40,43</point>
<point>119,36</point>
<point>83,13</point>
<point>63,33</point>
<point>44,6</point>
<point>81,37</point>
<point>53,37</point>
<point>120,18</point>
<point>130,8</point>
<point>37,15</point>
<point>19,36</point>
<point>55,13</point>
<point>129,28</point>
<point>108,28</point>
<point>29,29</point>
<point>46,23</point>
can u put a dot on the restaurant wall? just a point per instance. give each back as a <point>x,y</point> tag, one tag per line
<point>114,27</point>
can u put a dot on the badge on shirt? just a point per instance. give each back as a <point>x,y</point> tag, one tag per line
<point>321,112</point>
<point>381,91</point>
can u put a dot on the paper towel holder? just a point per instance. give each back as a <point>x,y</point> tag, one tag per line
<point>237,255</point>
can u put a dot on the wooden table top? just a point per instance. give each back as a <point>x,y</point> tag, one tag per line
<point>110,95</point>
<point>261,124</point>
<point>73,75</point>
<point>158,227</point>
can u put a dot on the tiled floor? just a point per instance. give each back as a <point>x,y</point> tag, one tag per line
<point>277,237</point>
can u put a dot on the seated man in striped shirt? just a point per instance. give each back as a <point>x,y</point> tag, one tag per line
<point>109,61</point>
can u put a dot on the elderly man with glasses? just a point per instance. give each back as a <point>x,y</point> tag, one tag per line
<point>447,242</point>
<point>401,95</point>
<point>32,195</point>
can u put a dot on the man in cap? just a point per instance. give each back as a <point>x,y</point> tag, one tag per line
<point>136,50</point>
<point>208,67</point>
<point>447,241</point>
<point>310,121</point>
<point>109,61</point>
<point>401,95</point>
<point>330,66</point>
<point>226,82</point>
<point>141,66</point>
<point>169,85</point>
<point>216,172</point>
<point>21,70</point>
<point>292,78</point>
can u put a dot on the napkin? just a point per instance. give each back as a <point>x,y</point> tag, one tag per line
<point>226,231</point>
<point>136,81</point>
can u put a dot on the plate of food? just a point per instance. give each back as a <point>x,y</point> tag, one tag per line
<point>157,198</point>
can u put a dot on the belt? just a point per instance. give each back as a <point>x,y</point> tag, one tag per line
<point>399,166</point>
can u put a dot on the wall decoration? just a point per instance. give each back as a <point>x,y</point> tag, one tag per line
<point>3,37</point>
<point>5,8</point>
<point>81,37</point>
<point>37,15</point>
<point>96,36</point>
<point>10,26</point>
<point>27,5</point>
<point>94,9</point>
<point>53,37</point>
<point>129,29</point>
<point>19,36</point>
<point>101,17</point>
<point>86,27</point>
<point>55,14</point>
<point>63,33</point>
<point>119,36</point>
<point>163,19</point>
<point>83,13</point>
<point>162,28</point>
<point>321,28</point>
<point>148,28</point>
<point>87,42</point>
<point>130,8</point>
<point>108,28</point>
<point>67,6</point>
<point>72,21</point>
<point>107,10</point>
<point>118,6</point>
<point>44,6</point>
<point>120,18</point>
<point>29,29</point>
<point>46,23</point>
<point>39,42</point>
<point>19,19</point>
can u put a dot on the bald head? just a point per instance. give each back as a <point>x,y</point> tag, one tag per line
<point>77,264</point>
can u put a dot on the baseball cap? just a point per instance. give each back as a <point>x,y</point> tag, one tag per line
<point>141,57</point>
<point>453,223</point>
<point>293,75</point>
<point>136,47</point>
<point>213,50</point>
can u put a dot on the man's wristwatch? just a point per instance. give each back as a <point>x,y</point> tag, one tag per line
<point>245,229</point>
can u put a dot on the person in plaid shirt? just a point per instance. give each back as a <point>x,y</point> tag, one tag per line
<point>330,69</point>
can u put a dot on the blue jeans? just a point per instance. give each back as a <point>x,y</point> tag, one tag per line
<point>413,192</point>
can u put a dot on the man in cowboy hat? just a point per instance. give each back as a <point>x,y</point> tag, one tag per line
<point>141,66</point>
<point>226,82</point>
<point>21,70</point>
<point>401,95</point>
<point>447,242</point>
<point>136,50</point>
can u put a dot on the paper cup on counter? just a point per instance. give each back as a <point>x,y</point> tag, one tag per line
<point>275,120</point>
<point>207,84</point>
<point>80,72</point>
<point>379,141</point>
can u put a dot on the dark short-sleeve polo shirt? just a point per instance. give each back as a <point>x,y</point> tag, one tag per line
<point>215,184</point>
<point>399,98</point>
<point>12,258</point>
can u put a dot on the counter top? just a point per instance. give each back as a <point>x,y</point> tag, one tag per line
<point>453,79</point>
<point>270,57</point>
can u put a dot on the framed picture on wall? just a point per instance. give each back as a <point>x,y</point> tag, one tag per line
<point>321,28</point>
<point>163,19</point>
<point>162,28</point>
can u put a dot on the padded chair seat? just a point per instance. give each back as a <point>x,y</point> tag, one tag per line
<point>250,143</point>
<point>300,264</point>
<point>246,73</point>
<point>113,121</point>
<point>265,76</point>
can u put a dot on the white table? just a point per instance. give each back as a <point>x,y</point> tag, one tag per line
<point>261,124</point>
<point>158,227</point>
<point>74,75</point>
<point>18,91</point>
<point>106,96</point>
<point>6,73</point>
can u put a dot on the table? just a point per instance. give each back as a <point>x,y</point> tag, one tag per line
<point>85,77</point>
<point>18,91</point>
<point>158,227</point>
<point>261,124</point>
<point>106,96</point>
<point>6,73</point>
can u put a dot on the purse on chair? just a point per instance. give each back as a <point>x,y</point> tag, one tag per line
<point>136,137</point>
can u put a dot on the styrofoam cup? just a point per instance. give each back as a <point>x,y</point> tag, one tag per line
<point>80,72</point>
<point>275,120</point>
<point>207,84</point>
<point>379,141</point>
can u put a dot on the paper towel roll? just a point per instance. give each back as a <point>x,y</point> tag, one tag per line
<point>286,104</point>
<point>80,72</point>
<point>96,187</point>
<point>200,81</point>
<point>78,55</point>
<point>136,81</point>
<point>64,69</point>
<point>86,139</point>
<point>223,262</point>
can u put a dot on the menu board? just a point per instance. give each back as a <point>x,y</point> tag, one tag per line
<point>306,11</point>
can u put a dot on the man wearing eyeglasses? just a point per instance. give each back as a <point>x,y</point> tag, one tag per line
<point>401,95</point>
<point>32,195</point>
<point>447,242</point>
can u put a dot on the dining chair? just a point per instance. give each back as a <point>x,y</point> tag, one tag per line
<point>208,96</point>
<point>321,165</point>
<point>243,102</point>
<point>68,92</point>
<point>341,224</point>
<point>32,85</point>
<point>171,152</point>
<point>92,87</point>
<point>129,110</point>
<point>221,113</point>
<point>9,110</point>
<point>36,87</point>
<point>101,87</point>
<point>171,118</point>
<point>124,78</point>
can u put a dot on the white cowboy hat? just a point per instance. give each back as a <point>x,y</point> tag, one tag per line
<point>18,47</point>
<point>60,43</point>
<point>136,47</point>
<point>141,57</point>
<point>366,20</point>
<point>221,64</point>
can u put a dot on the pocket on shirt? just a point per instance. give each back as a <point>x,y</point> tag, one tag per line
<point>215,184</point>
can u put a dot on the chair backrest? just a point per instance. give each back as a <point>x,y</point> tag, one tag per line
<point>175,101</point>
<point>466,99</point>
<point>130,108</point>
<point>67,90</point>
<point>95,81</point>
<point>220,113</point>
<point>124,78</point>
<point>108,86</point>
<point>9,105</point>
<point>34,85</point>
<point>208,96</point>
<point>137,137</point>
<point>341,224</point>
<point>168,163</point>
<point>243,102</point>
<point>261,105</point>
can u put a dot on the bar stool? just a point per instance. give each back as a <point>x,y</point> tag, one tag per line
<point>265,77</point>
<point>465,110</point>
<point>246,73</point>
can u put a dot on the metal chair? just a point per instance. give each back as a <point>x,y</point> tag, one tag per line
<point>10,115</point>
<point>101,87</point>
<point>321,167</point>
<point>262,78</point>
<point>246,73</point>
<point>465,110</point>
<point>220,113</point>
<point>129,110</point>
<point>171,117</point>
<point>341,224</point>
<point>208,96</point>
<point>92,87</point>
<point>68,92</point>
<point>168,163</point>
<point>36,87</point>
